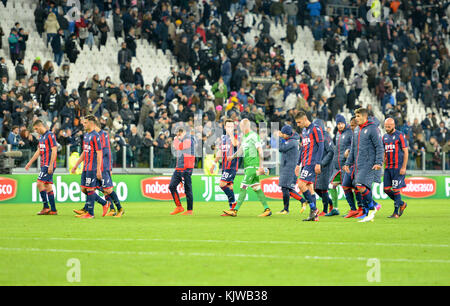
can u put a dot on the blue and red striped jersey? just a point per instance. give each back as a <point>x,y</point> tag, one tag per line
<point>91,144</point>
<point>46,143</point>
<point>227,150</point>
<point>106,148</point>
<point>393,145</point>
<point>311,145</point>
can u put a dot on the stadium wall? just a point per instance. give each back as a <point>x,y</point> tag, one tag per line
<point>145,188</point>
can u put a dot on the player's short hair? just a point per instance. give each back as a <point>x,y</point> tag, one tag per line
<point>37,122</point>
<point>300,114</point>
<point>362,111</point>
<point>353,118</point>
<point>91,118</point>
<point>227,121</point>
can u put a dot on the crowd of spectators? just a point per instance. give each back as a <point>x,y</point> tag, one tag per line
<point>250,76</point>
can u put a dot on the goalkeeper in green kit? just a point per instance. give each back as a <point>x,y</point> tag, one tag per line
<point>251,147</point>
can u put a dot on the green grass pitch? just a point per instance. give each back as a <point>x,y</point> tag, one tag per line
<point>149,247</point>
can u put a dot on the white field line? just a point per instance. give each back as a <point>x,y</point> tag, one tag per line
<point>384,244</point>
<point>196,254</point>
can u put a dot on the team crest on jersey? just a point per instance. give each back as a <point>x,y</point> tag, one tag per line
<point>306,141</point>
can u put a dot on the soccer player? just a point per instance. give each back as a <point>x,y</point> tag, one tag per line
<point>251,147</point>
<point>289,151</point>
<point>309,159</point>
<point>91,176</point>
<point>366,154</point>
<point>341,150</point>
<point>107,182</point>
<point>47,150</point>
<point>396,159</point>
<point>184,146</point>
<point>326,167</point>
<point>228,146</point>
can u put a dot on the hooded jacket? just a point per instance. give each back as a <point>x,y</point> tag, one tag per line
<point>289,149</point>
<point>343,142</point>
<point>367,148</point>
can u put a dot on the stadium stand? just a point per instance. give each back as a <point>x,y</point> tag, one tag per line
<point>263,60</point>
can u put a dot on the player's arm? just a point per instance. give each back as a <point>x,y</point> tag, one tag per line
<point>405,155</point>
<point>54,149</point>
<point>318,135</point>
<point>79,161</point>
<point>32,160</point>
<point>216,160</point>
<point>52,159</point>
<point>328,154</point>
<point>98,150</point>
<point>261,158</point>
<point>238,153</point>
<point>350,158</point>
<point>375,136</point>
<point>299,161</point>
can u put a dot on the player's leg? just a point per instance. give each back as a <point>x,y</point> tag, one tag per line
<point>321,194</point>
<point>51,199</point>
<point>43,192</point>
<point>90,183</point>
<point>256,186</point>
<point>226,184</point>
<point>187,182</point>
<point>174,182</point>
<point>286,197</point>
<point>387,187</point>
<point>397,185</point>
<point>90,201</point>
<point>249,175</point>
<point>314,212</point>
<point>80,212</point>
<point>369,205</point>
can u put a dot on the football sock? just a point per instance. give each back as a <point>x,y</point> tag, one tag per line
<point>44,198</point>
<point>241,198</point>
<point>51,200</point>
<point>311,199</point>
<point>262,197</point>
<point>397,198</point>
<point>296,196</point>
<point>90,200</point>
<point>100,200</point>
<point>350,199</point>
<point>389,192</point>
<point>334,197</point>
<point>230,194</point>
<point>108,198</point>
<point>176,197</point>
<point>367,198</point>
<point>358,198</point>
<point>115,199</point>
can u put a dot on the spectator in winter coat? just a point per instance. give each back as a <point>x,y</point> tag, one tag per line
<point>314,8</point>
<point>51,26</point>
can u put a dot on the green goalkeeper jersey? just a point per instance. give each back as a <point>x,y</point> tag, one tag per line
<point>250,145</point>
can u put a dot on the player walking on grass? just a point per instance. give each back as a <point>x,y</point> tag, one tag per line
<point>396,159</point>
<point>107,182</point>
<point>342,150</point>
<point>251,147</point>
<point>309,160</point>
<point>184,146</point>
<point>322,182</point>
<point>91,177</point>
<point>289,151</point>
<point>48,151</point>
<point>228,146</point>
<point>366,154</point>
